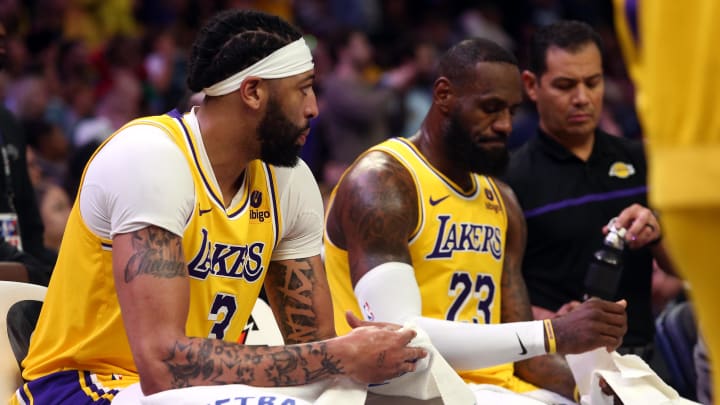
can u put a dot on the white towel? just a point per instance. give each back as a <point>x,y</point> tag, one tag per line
<point>433,378</point>
<point>634,382</point>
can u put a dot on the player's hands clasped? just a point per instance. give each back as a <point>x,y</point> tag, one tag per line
<point>379,351</point>
<point>589,325</point>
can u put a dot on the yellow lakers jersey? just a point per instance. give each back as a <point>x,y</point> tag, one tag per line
<point>680,116</point>
<point>457,252</point>
<point>227,251</point>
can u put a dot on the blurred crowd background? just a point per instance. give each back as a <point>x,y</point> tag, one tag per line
<point>79,69</point>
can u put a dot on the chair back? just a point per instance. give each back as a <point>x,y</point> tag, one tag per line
<point>16,325</point>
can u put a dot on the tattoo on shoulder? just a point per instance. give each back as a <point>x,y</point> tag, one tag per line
<point>156,252</point>
<point>384,211</point>
<point>210,361</point>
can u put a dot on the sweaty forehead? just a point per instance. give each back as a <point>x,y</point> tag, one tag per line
<point>497,79</point>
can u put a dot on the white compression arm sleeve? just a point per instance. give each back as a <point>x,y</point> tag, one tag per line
<point>389,293</point>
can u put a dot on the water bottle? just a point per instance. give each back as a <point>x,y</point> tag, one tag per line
<point>606,265</point>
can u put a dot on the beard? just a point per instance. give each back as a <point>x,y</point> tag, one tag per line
<point>474,156</point>
<point>278,137</point>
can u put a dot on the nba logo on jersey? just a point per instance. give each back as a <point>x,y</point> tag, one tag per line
<point>9,229</point>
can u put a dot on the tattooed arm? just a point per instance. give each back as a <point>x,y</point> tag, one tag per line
<point>153,291</point>
<point>298,293</point>
<point>549,371</point>
<point>593,323</point>
<point>373,214</point>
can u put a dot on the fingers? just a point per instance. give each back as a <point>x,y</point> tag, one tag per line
<point>595,323</point>
<point>568,307</point>
<point>613,323</point>
<point>413,354</point>
<point>617,307</point>
<point>352,320</point>
<point>408,333</point>
<point>356,322</point>
<point>641,224</point>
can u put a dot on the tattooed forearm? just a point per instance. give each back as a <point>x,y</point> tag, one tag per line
<point>515,301</point>
<point>297,316</point>
<point>157,252</point>
<point>550,372</point>
<point>216,362</point>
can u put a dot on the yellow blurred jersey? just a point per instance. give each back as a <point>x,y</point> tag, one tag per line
<point>670,53</point>
<point>227,254</point>
<point>457,252</point>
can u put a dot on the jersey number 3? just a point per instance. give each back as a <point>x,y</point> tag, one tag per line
<point>464,289</point>
<point>221,312</point>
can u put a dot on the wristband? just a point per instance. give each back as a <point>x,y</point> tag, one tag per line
<point>576,394</point>
<point>550,333</point>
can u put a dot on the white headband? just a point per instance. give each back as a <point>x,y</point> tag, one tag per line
<point>292,59</point>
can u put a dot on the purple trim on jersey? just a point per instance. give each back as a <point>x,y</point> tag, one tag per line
<point>631,14</point>
<point>197,162</point>
<point>106,245</point>
<point>174,113</point>
<point>422,158</point>
<point>94,388</point>
<point>586,199</point>
<point>63,387</point>
<point>247,195</point>
<point>217,199</point>
<point>275,200</point>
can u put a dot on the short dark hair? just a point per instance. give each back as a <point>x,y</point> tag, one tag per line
<point>458,63</point>
<point>569,35</point>
<point>233,40</point>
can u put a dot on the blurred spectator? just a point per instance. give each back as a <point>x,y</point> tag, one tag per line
<point>95,21</point>
<point>50,146</point>
<point>75,98</point>
<point>485,21</point>
<point>53,202</point>
<point>55,208</point>
<point>76,165</point>
<point>665,289</point>
<point>120,104</point>
<point>357,111</point>
<point>165,67</point>
<point>22,227</point>
<point>28,97</point>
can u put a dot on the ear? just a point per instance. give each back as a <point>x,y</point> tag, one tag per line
<point>530,81</point>
<point>443,95</point>
<point>253,91</point>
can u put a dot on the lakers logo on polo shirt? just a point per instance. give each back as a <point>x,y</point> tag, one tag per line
<point>621,170</point>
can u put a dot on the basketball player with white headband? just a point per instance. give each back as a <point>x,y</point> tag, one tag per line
<point>180,220</point>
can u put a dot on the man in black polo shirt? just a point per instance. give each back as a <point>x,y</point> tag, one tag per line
<point>573,178</point>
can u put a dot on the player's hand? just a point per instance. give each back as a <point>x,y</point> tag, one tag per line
<point>607,390</point>
<point>377,352</point>
<point>592,324</point>
<point>567,307</point>
<point>641,224</point>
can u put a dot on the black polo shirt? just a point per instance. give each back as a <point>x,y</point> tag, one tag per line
<point>566,203</point>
